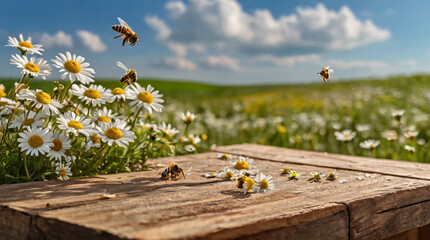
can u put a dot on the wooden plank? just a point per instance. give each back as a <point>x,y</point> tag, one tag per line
<point>397,168</point>
<point>148,208</point>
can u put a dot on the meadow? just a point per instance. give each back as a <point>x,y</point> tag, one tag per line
<point>304,116</point>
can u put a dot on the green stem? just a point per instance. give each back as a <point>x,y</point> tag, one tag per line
<point>137,116</point>
<point>65,91</point>
<point>26,169</point>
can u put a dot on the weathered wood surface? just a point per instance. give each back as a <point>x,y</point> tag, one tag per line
<point>379,206</point>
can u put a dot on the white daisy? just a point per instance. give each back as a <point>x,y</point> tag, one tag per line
<point>293,175</point>
<point>35,140</point>
<point>397,114</point>
<point>228,174</point>
<point>61,144</point>
<point>63,170</point>
<point>147,98</point>
<point>370,144</point>
<point>248,185</point>
<point>33,66</point>
<point>94,95</point>
<point>194,139</point>
<point>117,132</point>
<point>71,123</point>
<point>190,148</point>
<point>92,141</point>
<point>40,100</point>
<point>264,183</point>
<point>74,67</point>
<point>209,174</point>
<point>316,176</point>
<point>224,156</point>
<point>345,136</point>
<point>242,163</point>
<point>390,135</point>
<point>119,95</point>
<point>411,134</point>
<point>188,117</point>
<point>409,148</point>
<point>166,129</point>
<point>104,115</point>
<point>25,45</point>
<point>31,120</point>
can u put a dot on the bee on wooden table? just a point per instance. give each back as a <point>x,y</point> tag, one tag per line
<point>130,74</point>
<point>172,172</point>
<point>325,73</point>
<point>126,33</point>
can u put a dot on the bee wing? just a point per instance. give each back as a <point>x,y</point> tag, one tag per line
<point>330,71</point>
<point>327,67</point>
<point>124,23</point>
<point>121,65</point>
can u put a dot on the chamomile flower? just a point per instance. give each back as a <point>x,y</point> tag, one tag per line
<point>194,139</point>
<point>35,140</point>
<point>397,114</point>
<point>104,115</point>
<point>74,67</point>
<point>409,148</point>
<point>293,175</point>
<point>227,174</point>
<point>242,163</point>
<point>390,135</point>
<point>264,183</point>
<point>119,95</point>
<point>248,185</point>
<point>331,176</point>
<point>410,134</point>
<point>2,91</point>
<point>61,145</point>
<point>94,95</point>
<point>31,120</point>
<point>40,100</point>
<point>209,174</point>
<point>188,117</point>
<point>190,148</point>
<point>188,172</point>
<point>148,98</point>
<point>166,129</point>
<point>316,177</point>
<point>34,66</point>
<point>370,144</point>
<point>285,171</point>
<point>92,141</point>
<point>345,136</point>
<point>71,123</point>
<point>25,45</point>
<point>116,132</point>
<point>223,156</point>
<point>63,170</point>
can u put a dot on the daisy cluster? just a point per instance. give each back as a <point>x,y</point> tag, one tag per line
<point>81,128</point>
<point>248,176</point>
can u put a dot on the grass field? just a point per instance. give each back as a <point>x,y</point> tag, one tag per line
<point>304,116</point>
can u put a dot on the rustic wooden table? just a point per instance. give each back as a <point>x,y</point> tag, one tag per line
<point>391,201</point>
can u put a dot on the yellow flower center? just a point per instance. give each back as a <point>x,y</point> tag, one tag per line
<point>204,137</point>
<point>293,175</point>
<point>62,172</point>
<point>281,129</point>
<point>241,165</point>
<point>229,175</point>
<point>95,138</point>
<point>28,121</point>
<point>145,97</point>
<point>35,141</point>
<point>114,133</point>
<point>43,97</point>
<point>249,183</point>
<point>2,93</point>
<point>286,170</point>
<point>224,156</point>
<point>118,91</point>
<point>317,176</point>
<point>72,66</point>
<point>58,145</point>
<point>75,124</point>
<point>25,44</point>
<point>264,184</point>
<point>92,93</point>
<point>188,119</point>
<point>104,119</point>
<point>32,67</point>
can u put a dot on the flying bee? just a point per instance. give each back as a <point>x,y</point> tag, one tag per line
<point>174,170</point>
<point>130,74</point>
<point>126,33</point>
<point>325,73</point>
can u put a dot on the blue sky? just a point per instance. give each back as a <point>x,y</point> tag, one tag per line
<point>226,41</point>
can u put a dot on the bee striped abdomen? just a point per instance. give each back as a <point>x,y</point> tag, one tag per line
<point>120,28</point>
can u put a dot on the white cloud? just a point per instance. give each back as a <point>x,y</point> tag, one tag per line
<point>175,63</point>
<point>222,62</point>
<point>177,48</point>
<point>213,22</point>
<point>341,64</point>
<point>91,40</point>
<point>163,31</point>
<point>287,61</point>
<point>60,39</point>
